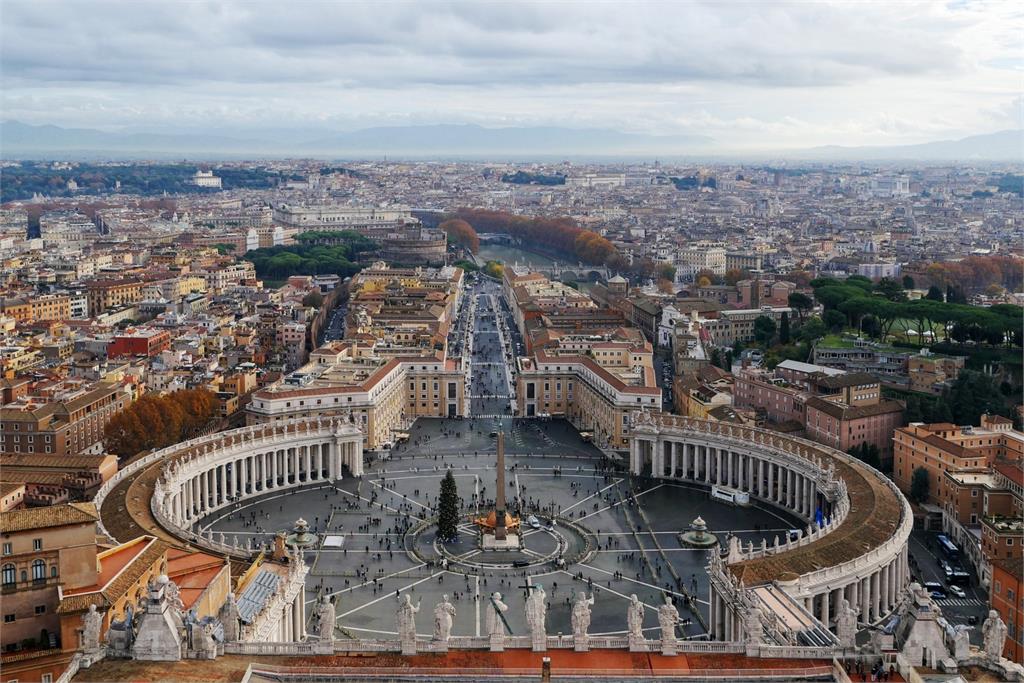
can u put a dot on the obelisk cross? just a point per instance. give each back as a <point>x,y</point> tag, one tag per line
<point>499,497</point>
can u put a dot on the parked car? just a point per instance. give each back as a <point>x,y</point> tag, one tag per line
<point>957,591</point>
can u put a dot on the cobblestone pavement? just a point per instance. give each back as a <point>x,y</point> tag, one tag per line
<point>361,523</point>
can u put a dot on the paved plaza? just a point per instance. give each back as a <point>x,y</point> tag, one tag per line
<point>615,537</point>
<point>362,525</point>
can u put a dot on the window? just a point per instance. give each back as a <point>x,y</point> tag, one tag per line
<point>37,544</point>
<point>47,678</point>
<point>40,609</point>
<point>7,549</point>
<point>38,570</point>
<point>8,575</point>
<point>8,618</point>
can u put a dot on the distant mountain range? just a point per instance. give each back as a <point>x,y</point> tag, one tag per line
<point>454,141</point>
<point>1005,145</point>
<point>446,140</point>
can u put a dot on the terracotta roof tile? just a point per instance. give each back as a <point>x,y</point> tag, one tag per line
<point>45,517</point>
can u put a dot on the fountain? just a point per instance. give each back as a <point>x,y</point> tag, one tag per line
<point>698,536</point>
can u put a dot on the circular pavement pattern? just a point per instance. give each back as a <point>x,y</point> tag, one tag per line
<point>378,539</point>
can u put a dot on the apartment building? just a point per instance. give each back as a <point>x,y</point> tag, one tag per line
<point>68,423</point>
<point>943,447</point>
<point>381,394</point>
<point>833,407</point>
<point>1006,596</point>
<point>146,342</point>
<point>738,325</point>
<point>45,550</point>
<point>597,381</point>
<point>104,294</point>
<point>930,373</point>
<point>31,309</point>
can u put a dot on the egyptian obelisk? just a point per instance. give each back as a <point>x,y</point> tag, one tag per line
<point>499,497</point>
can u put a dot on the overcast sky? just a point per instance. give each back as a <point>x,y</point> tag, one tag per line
<point>749,74</point>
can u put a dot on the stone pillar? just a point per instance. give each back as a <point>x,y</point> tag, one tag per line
<point>883,597</point>
<point>770,492</point>
<point>823,614</point>
<point>296,619</point>
<point>204,484</point>
<point>674,454</point>
<point>876,596</point>
<point>864,596</point>
<point>273,468</point>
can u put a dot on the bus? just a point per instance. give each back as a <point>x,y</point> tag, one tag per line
<point>947,547</point>
<point>731,496</point>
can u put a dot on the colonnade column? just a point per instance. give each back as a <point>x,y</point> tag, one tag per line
<point>876,596</point>
<point>864,595</point>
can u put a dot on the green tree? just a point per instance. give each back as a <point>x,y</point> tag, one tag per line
<point>934,294</point>
<point>891,289</point>
<point>448,509</point>
<point>811,330</point>
<point>314,299</point>
<point>973,394</point>
<point>764,330</point>
<point>919,485</point>
<point>908,282</point>
<point>834,320</point>
<point>914,412</point>
<point>801,303</point>
<point>784,329</point>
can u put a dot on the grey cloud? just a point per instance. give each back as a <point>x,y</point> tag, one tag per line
<point>389,45</point>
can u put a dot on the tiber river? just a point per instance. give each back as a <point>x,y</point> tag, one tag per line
<point>507,254</point>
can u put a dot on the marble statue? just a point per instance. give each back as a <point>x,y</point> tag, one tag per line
<point>495,625</point>
<point>961,642</point>
<point>406,615</point>
<point>635,619</point>
<point>230,619</point>
<point>536,616</point>
<point>325,618</point>
<point>846,624</point>
<point>753,625</point>
<point>668,617</point>
<point>444,615</point>
<point>172,593</point>
<point>91,623</point>
<point>993,632</point>
<point>581,619</point>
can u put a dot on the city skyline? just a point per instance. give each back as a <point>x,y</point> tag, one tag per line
<point>749,77</point>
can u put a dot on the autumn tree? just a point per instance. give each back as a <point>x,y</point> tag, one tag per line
<point>157,421</point>
<point>461,232</point>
